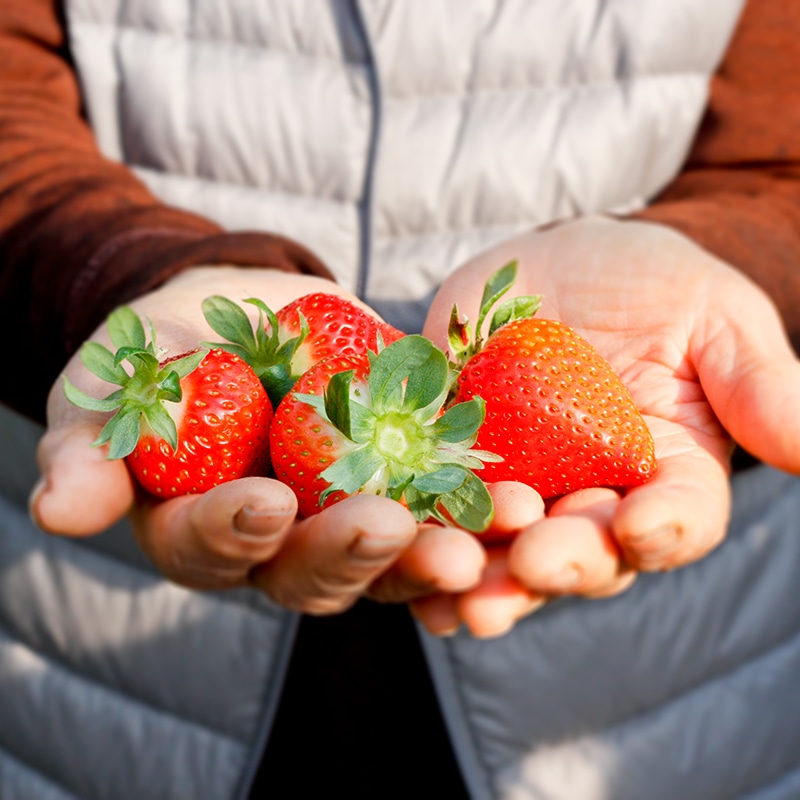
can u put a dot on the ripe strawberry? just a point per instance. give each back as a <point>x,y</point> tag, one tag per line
<point>184,425</point>
<point>555,410</point>
<point>287,343</point>
<point>336,327</point>
<point>374,424</point>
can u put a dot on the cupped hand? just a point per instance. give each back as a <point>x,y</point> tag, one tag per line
<point>707,361</point>
<point>245,532</point>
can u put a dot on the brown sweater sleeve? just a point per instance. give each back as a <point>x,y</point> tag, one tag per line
<point>79,234</point>
<point>739,195</point>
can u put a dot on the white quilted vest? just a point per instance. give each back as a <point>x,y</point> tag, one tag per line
<point>396,139</point>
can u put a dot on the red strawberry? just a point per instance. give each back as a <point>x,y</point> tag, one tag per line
<point>336,327</point>
<point>303,443</point>
<point>284,345</point>
<point>374,424</point>
<point>556,411</point>
<point>183,425</point>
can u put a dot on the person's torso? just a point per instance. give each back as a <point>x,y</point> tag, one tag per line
<point>396,139</point>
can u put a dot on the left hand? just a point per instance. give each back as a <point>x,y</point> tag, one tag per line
<point>244,532</point>
<point>705,356</point>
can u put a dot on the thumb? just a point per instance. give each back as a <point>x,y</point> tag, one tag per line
<point>751,377</point>
<point>331,558</point>
<point>80,491</point>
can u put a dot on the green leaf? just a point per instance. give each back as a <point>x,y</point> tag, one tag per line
<point>470,505</point>
<point>187,364</point>
<point>337,401</point>
<point>497,285</point>
<point>316,401</point>
<point>127,354</point>
<point>461,421</point>
<point>125,329</point>
<point>285,353</point>
<point>230,321</point>
<point>393,366</point>
<point>397,487</point>
<point>278,382</point>
<point>145,364</point>
<point>459,337</point>
<point>264,312</point>
<point>169,388</point>
<point>236,349</point>
<point>523,307</point>
<point>362,422</point>
<point>421,505</point>
<point>484,456</point>
<point>162,424</point>
<point>446,479</point>
<point>427,384</point>
<point>350,472</point>
<point>82,400</point>
<point>124,433</point>
<point>100,360</point>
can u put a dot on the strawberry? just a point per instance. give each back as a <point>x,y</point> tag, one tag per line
<point>374,424</point>
<point>336,327</point>
<point>287,343</point>
<point>185,424</point>
<point>556,412</point>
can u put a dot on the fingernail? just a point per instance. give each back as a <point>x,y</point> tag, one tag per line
<point>570,576</point>
<point>261,522</point>
<point>664,537</point>
<point>376,548</point>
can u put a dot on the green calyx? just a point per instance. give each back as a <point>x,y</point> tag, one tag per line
<point>402,445</point>
<point>463,341</point>
<point>143,390</point>
<point>261,346</point>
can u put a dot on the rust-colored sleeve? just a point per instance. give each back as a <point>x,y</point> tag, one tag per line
<point>739,195</point>
<point>79,234</point>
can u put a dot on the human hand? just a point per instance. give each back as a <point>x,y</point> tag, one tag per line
<point>244,532</point>
<point>705,356</point>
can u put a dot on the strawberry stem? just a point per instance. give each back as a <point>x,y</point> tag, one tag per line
<point>463,342</point>
<point>142,392</point>
<point>402,444</point>
<point>260,347</point>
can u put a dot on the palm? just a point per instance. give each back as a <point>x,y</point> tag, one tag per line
<point>704,355</point>
<point>670,319</point>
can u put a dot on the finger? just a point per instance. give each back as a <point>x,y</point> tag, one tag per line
<point>330,559</point>
<point>492,608</point>
<point>679,516</point>
<point>516,506</point>
<point>80,491</point>
<point>437,613</point>
<point>441,559</point>
<point>752,378</point>
<point>572,550</point>
<point>214,540</point>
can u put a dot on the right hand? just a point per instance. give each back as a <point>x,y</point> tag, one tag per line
<point>245,532</point>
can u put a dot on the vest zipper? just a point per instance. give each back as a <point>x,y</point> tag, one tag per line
<point>366,205</point>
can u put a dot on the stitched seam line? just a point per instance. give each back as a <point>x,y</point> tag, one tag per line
<point>589,86</point>
<point>262,48</point>
<point>718,679</point>
<point>45,777</point>
<point>214,182</point>
<point>118,695</point>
